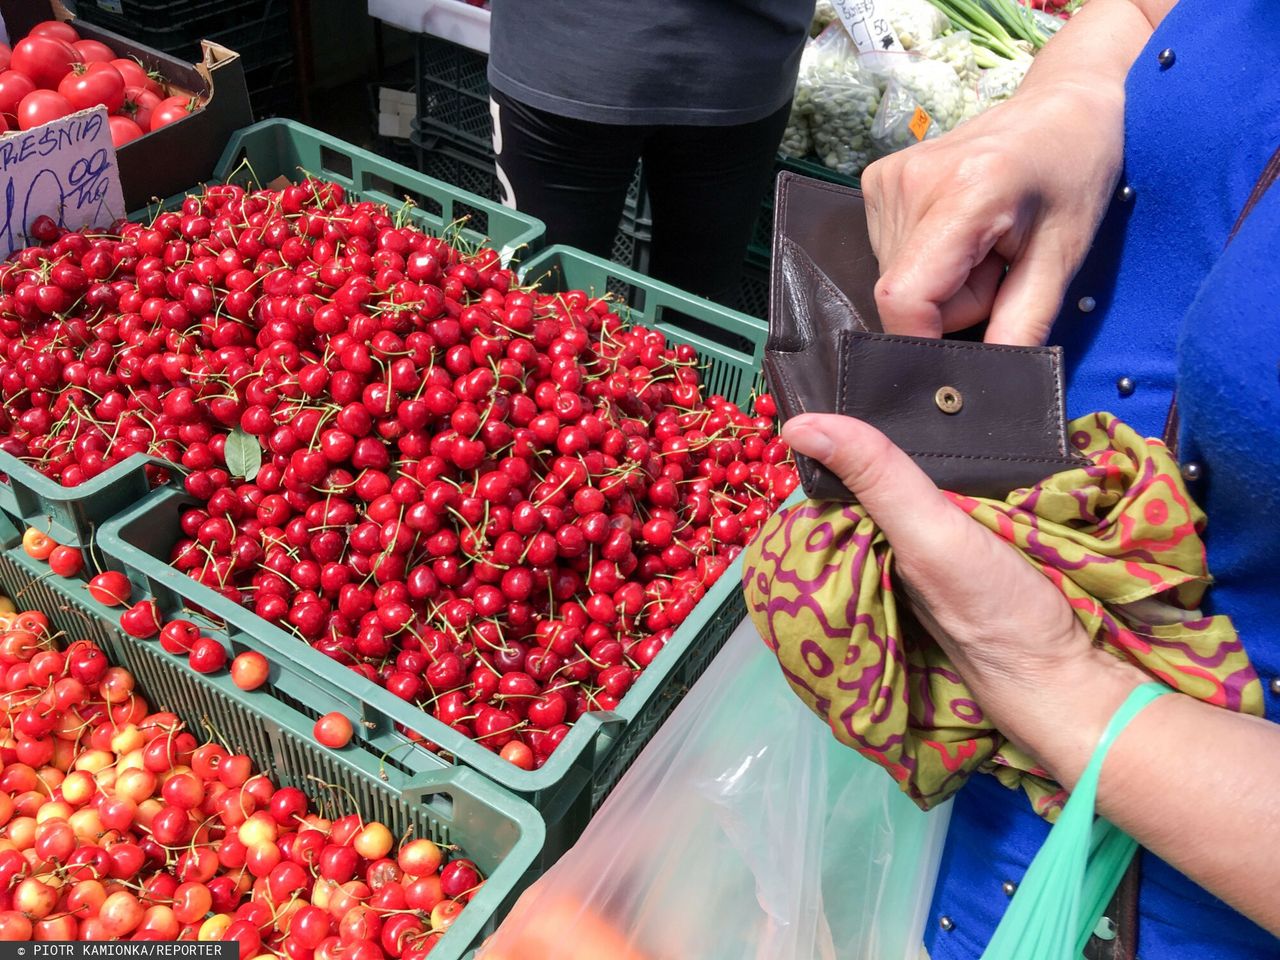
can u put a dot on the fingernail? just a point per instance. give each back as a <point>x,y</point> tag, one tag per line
<point>804,436</point>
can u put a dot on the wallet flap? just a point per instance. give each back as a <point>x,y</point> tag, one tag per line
<point>828,223</point>
<point>954,398</point>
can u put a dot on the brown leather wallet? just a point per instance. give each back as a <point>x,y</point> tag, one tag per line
<point>980,419</point>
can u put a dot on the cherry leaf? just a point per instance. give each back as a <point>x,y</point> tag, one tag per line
<point>243,455</point>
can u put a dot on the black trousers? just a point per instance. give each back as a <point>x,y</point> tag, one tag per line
<point>705,184</point>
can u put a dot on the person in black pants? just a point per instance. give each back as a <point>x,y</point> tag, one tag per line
<point>698,90</point>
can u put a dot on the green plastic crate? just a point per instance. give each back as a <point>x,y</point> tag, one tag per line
<point>269,149</point>
<point>278,147</point>
<point>600,746</point>
<point>71,514</point>
<point>565,791</point>
<point>450,805</point>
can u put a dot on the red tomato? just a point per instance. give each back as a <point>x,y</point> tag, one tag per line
<point>45,60</point>
<point>171,110</point>
<point>92,51</point>
<point>55,28</point>
<point>97,83</point>
<point>4,124</point>
<point>123,130</point>
<point>13,87</point>
<point>138,104</point>
<point>135,76</point>
<point>41,106</point>
<point>5,54</point>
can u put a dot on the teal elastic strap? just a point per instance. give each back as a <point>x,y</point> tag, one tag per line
<point>1076,872</point>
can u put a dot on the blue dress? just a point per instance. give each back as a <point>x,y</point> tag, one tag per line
<point>1159,298</point>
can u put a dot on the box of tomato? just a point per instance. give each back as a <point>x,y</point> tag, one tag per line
<point>179,115</point>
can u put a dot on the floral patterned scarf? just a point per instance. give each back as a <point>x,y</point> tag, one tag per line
<point>1120,538</point>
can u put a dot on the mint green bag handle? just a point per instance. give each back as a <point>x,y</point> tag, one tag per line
<point>1076,872</point>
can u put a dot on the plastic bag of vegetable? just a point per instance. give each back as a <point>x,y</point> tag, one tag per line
<point>901,121</point>
<point>916,22</point>
<point>922,99</point>
<point>956,50</point>
<point>797,140</point>
<point>1002,82</point>
<point>823,14</point>
<point>744,831</point>
<point>839,99</point>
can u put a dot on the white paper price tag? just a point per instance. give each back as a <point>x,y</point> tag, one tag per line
<point>65,169</point>
<point>867,24</point>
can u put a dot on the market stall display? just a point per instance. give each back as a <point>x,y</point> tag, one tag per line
<point>370,559</point>
<point>133,808</point>
<point>542,633</point>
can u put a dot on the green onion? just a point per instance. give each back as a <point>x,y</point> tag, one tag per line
<point>1000,26</point>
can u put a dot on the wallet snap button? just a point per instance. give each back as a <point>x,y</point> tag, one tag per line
<point>948,399</point>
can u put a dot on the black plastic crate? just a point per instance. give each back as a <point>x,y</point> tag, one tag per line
<point>453,93</point>
<point>273,90</point>
<point>753,291</point>
<point>254,29</point>
<point>472,170</point>
<point>263,41</point>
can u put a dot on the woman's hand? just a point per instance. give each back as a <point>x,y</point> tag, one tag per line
<point>1023,187</point>
<point>1195,784</point>
<point>1005,626</point>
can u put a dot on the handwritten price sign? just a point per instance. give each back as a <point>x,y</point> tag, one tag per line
<point>867,24</point>
<point>65,169</point>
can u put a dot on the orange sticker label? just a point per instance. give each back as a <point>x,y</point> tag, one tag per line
<point>920,122</point>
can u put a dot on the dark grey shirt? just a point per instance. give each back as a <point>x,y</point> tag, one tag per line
<point>714,62</point>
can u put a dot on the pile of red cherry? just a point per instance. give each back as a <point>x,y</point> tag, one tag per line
<point>495,501</point>
<point>116,823</point>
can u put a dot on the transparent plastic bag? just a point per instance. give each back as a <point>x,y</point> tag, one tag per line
<point>901,121</point>
<point>839,100</point>
<point>823,14</point>
<point>955,50</point>
<point>744,831</point>
<point>916,22</point>
<point>1002,82</point>
<point>797,140</point>
<point>922,99</point>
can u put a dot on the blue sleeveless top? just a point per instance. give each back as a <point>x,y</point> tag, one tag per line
<point>1157,299</point>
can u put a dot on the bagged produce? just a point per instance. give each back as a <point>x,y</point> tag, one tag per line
<point>797,139</point>
<point>742,832</point>
<point>956,50</point>
<point>901,121</point>
<point>839,99</point>
<point>823,14</point>
<point>916,22</point>
<point>1001,82</point>
<point>922,99</point>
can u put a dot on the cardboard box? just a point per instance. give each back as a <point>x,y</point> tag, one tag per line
<point>183,154</point>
